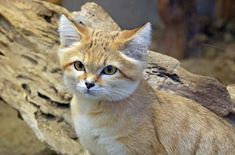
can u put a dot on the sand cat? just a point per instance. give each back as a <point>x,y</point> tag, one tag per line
<point>116,112</point>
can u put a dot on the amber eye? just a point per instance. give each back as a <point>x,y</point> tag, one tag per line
<point>109,70</point>
<point>79,66</point>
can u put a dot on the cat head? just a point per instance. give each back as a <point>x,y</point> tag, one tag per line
<point>102,65</point>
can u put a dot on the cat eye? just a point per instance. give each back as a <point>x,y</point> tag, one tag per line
<point>109,70</point>
<point>79,66</point>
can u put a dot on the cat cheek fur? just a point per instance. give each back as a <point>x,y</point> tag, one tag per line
<point>118,87</point>
<point>122,89</point>
<point>72,78</point>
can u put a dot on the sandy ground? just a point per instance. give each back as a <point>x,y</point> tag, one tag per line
<point>16,138</point>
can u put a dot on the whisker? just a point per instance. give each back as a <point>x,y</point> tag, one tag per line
<point>125,98</point>
<point>124,92</point>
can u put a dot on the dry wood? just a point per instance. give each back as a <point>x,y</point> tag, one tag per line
<point>31,80</point>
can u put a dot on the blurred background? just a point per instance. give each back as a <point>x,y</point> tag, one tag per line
<point>199,33</point>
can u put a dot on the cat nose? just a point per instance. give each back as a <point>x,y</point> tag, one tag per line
<point>89,84</point>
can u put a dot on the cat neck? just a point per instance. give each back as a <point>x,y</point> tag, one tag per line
<point>143,95</point>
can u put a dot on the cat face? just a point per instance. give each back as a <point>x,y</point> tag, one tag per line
<point>102,65</point>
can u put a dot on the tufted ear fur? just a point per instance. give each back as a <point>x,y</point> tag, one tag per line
<point>71,32</point>
<point>135,43</point>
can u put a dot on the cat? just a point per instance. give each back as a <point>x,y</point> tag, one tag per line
<point>116,112</point>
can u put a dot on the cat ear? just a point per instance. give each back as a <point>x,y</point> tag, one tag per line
<point>70,31</point>
<point>135,43</point>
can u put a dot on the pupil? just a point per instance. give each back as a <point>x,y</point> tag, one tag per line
<point>109,69</point>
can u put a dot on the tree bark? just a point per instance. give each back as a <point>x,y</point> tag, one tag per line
<point>31,80</point>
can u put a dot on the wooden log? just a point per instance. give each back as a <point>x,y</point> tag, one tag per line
<point>31,80</point>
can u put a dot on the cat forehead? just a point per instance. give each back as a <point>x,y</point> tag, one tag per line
<point>98,43</point>
<point>95,52</point>
<point>101,39</point>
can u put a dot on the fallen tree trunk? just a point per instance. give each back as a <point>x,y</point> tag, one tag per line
<point>31,80</point>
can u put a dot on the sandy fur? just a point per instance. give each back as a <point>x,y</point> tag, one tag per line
<point>125,116</point>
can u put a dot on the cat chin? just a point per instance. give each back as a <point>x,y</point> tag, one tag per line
<point>90,97</point>
<point>87,96</point>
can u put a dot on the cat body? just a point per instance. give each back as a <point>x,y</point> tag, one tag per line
<point>117,127</point>
<point>159,125</point>
<point>116,112</point>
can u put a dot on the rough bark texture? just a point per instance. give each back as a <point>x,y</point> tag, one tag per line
<point>31,80</point>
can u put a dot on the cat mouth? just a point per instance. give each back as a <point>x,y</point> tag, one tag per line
<point>89,93</point>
